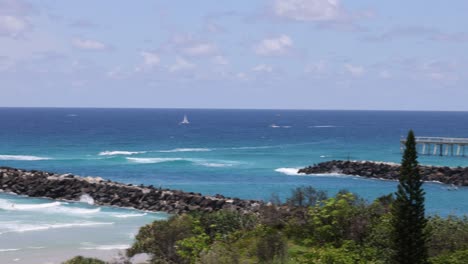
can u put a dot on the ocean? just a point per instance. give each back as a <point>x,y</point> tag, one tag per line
<point>238,153</point>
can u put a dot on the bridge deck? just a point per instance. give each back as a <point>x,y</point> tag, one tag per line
<point>442,146</point>
<point>440,140</point>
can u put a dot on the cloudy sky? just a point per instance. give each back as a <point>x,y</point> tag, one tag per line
<point>297,54</point>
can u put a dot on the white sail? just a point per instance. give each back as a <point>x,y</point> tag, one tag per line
<point>185,120</point>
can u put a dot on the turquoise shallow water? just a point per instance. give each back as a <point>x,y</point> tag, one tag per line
<point>241,153</point>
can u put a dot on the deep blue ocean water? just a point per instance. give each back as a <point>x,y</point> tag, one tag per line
<point>237,153</point>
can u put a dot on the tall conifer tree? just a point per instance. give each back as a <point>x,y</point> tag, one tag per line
<point>409,237</point>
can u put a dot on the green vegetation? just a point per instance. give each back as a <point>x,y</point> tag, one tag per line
<point>340,229</point>
<point>409,235</point>
<point>83,260</point>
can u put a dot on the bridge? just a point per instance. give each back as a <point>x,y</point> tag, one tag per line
<point>442,146</point>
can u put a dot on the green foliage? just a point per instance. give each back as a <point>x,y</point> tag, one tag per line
<point>305,196</point>
<point>457,257</point>
<point>190,248</point>
<point>447,234</point>
<point>348,253</point>
<point>271,246</point>
<point>408,236</point>
<point>220,253</point>
<point>378,238</point>
<point>330,222</point>
<point>159,239</point>
<point>83,260</point>
<point>343,217</point>
<point>221,223</point>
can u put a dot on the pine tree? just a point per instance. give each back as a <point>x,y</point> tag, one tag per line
<point>409,237</point>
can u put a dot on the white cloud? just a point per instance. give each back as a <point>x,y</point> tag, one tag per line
<point>274,46</point>
<point>354,70</point>
<point>220,60</point>
<point>263,68</point>
<point>150,59</point>
<point>308,10</point>
<point>200,49</point>
<point>181,64</point>
<point>12,25</point>
<point>89,44</point>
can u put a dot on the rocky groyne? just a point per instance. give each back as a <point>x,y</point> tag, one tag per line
<point>389,171</point>
<point>105,192</point>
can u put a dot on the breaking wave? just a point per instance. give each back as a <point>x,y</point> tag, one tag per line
<point>186,150</point>
<point>323,126</point>
<point>129,215</point>
<point>200,162</point>
<point>54,207</point>
<point>106,247</point>
<point>120,152</point>
<point>15,227</point>
<point>216,165</point>
<point>154,160</point>
<point>86,198</point>
<point>289,171</point>
<point>8,249</point>
<point>22,157</point>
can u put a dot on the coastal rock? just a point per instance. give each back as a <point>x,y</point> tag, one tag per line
<point>389,171</point>
<point>35,183</point>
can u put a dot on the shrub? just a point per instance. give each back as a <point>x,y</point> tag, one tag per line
<point>83,260</point>
<point>159,239</point>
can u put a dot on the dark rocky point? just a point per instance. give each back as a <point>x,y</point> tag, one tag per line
<point>389,171</point>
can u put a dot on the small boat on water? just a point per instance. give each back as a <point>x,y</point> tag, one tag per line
<point>184,121</point>
<point>452,187</point>
<point>274,126</point>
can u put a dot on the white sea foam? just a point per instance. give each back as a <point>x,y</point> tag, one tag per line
<point>15,227</point>
<point>276,126</point>
<point>129,215</point>
<point>154,160</point>
<point>54,207</point>
<point>9,249</point>
<point>6,205</point>
<point>22,157</point>
<point>86,198</point>
<point>289,171</point>
<point>120,152</point>
<point>200,162</point>
<point>186,150</point>
<point>107,247</point>
<point>258,147</point>
<point>216,165</point>
<point>377,162</point>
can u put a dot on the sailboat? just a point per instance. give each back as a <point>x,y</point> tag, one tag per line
<point>184,121</point>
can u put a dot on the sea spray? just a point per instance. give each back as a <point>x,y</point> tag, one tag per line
<point>86,198</point>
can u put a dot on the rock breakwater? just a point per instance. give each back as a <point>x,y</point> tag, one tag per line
<point>390,171</point>
<point>105,192</point>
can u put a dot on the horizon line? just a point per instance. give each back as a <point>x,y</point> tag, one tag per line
<point>215,108</point>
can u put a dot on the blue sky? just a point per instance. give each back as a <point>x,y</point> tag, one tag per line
<point>293,54</point>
